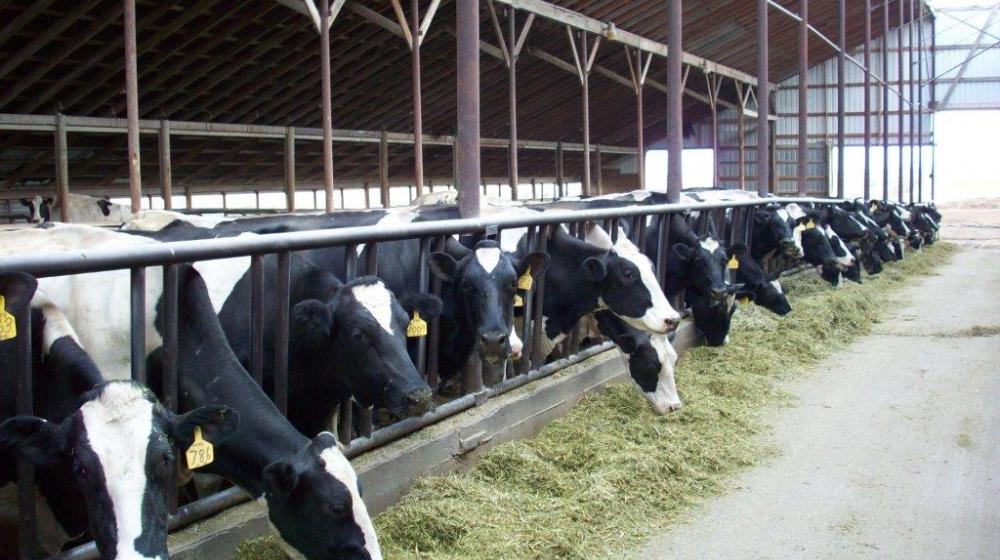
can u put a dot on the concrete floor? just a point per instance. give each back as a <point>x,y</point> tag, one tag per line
<point>892,449</point>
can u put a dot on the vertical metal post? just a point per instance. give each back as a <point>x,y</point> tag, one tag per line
<point>920,101</point>
<point>512,96</point>
<point>713,106</point>
<point>560,177</point>
<point>803,151</point>
<point>281,332</point>
<point>290,169</point>
<point>166,174</point>
<point>327,105</point>
<point>169,351</point>
<point>763,102</point>
<point>841,97</point>
<point>902,111</point>
<point>885,100</point>
<point>600,172</point>
<point>912,96</point>
<point>585,78</point>
<point>188,196</point>
<point>257,319</point>
<point>383,168</point>
<point>468,168</point>
<point>132,107</point>
<point>537,355</point>
<point>137,326</point>
<point>868,99</point>
<point>675,108</point>
<point>62,168</point>
<point>741,141</point>
<point>24,405</point>
<point>418,111</point>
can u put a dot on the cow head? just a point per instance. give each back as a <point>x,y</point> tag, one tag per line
<point>816,246</point>
<point>39,209</point>
<point>484,281</point>
<point>105,205</point>
<point>651,361</point>
<point>705,266</point>
<point>628,284</point>
<point>314,504</point>
<point>713,317</point>
<point>775,222</point>
<point>122,447</point>
<point>845,224</point>
<point>362,328</point>
<point>842,253</point>
<point>766,293</point>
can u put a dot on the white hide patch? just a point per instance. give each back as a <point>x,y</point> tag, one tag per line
<point>36,209</point>
<point>118,425</point>
<point>600,238</point>
<point>489,258</point>
<point>56,324</point>
<point>393,217</point>
<point>155,220</point>
<point>665,399</point>
<point>221,275</point>
<point>846,261</point>
<point>795,211</point>
<point>377,300</point>
<point>709,245</point>
<point>340,468</point>
<point>777,286</point>
<point>516,345</point>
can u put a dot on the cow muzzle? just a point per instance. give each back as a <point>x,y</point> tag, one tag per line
<point>419,401</point>
<point>494,346</point>
<point>789,248</point>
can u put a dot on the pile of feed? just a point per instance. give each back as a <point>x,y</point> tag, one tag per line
<point>599,480</point>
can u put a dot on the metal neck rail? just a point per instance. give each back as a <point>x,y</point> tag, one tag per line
<point>169,255</point>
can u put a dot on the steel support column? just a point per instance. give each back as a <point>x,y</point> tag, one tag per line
<point>920,101</point>
<point>467,165</point>
<point>290,169</point>
<point>62,168</point>
<point>868,99</point>
<point>166,174</point>
<point>902,112</point>
<point>763,102</point>
<point>327,107</point>
<point>675,107</point>
<point>132,108</point>
<point>418,111</point>
<point>912,96</point>
<point>885,100</point>
<point>585,78</point>
<point>803,152</point>
<point>841,97</point>
<point>512,96</point>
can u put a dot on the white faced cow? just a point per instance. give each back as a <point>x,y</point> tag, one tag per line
<point>82,209</point>
<point>104,452</point>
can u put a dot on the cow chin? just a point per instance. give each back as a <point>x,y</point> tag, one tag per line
<point>654,321</point>
<point>665,398</point>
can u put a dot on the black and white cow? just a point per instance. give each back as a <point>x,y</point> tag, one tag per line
<point>767,291</point>
<point>651,361</point>
<point>104,452</point>
<point>82,209</point>
<point>308,485</point>
<point>772,234</point>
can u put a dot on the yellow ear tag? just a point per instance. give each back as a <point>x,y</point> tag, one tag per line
<point>745,300</point>
<point>200,453</point>
<point>525,281</point>
<point>417,326</point>
<point>811,224</point>
<point>733,264</point>
<point>518,300</point>
<point>8,325</point>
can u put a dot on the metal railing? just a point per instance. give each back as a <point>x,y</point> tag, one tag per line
<point>532,367</point>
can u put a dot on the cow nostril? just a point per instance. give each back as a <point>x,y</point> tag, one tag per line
<point>496,338</point>
<point>671,324</point>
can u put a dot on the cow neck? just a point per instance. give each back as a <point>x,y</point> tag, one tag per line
<point>568,294</point>
<point>215,376</point>
<point>456,354</point>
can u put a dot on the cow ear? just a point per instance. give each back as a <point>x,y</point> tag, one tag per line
<point>429,306</point>
<point>443,266</point>
<point>594,269</point>
<point>32,438</point>
<point>683,251</point>
<point>105,206</point>
<point>280,479</point>
<point>738,250</point>
<point>216,422</point>
<point>49,200</point>
<point>761,216</point>
<point>535,263</point>
<point>312,320</point>
<point>17,288</point>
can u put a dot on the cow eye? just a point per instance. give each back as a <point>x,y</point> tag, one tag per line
<point>628,275</point>
<point>358,336</point>
<point>467,286</point>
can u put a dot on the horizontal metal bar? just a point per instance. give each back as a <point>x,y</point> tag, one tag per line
<point>98,260</point>
<point>105,125</point>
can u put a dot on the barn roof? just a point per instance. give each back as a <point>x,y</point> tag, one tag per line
<point>256,63</point>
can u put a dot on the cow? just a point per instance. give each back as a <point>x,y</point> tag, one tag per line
<point>767,292</point>
<point>81,209</point>
<point>308,486</point>
<point>346,340</point>
<point>772,234</point>
<point>651,360</point>
<point>104,451</point>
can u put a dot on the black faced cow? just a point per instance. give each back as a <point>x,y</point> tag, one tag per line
<point>309,487</point>
<point>767,292</point>
<point>104,452</point>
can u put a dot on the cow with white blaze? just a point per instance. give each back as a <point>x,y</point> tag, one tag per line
<point>81,209</point>
<point>312,499</point>
<point>104,452</point>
